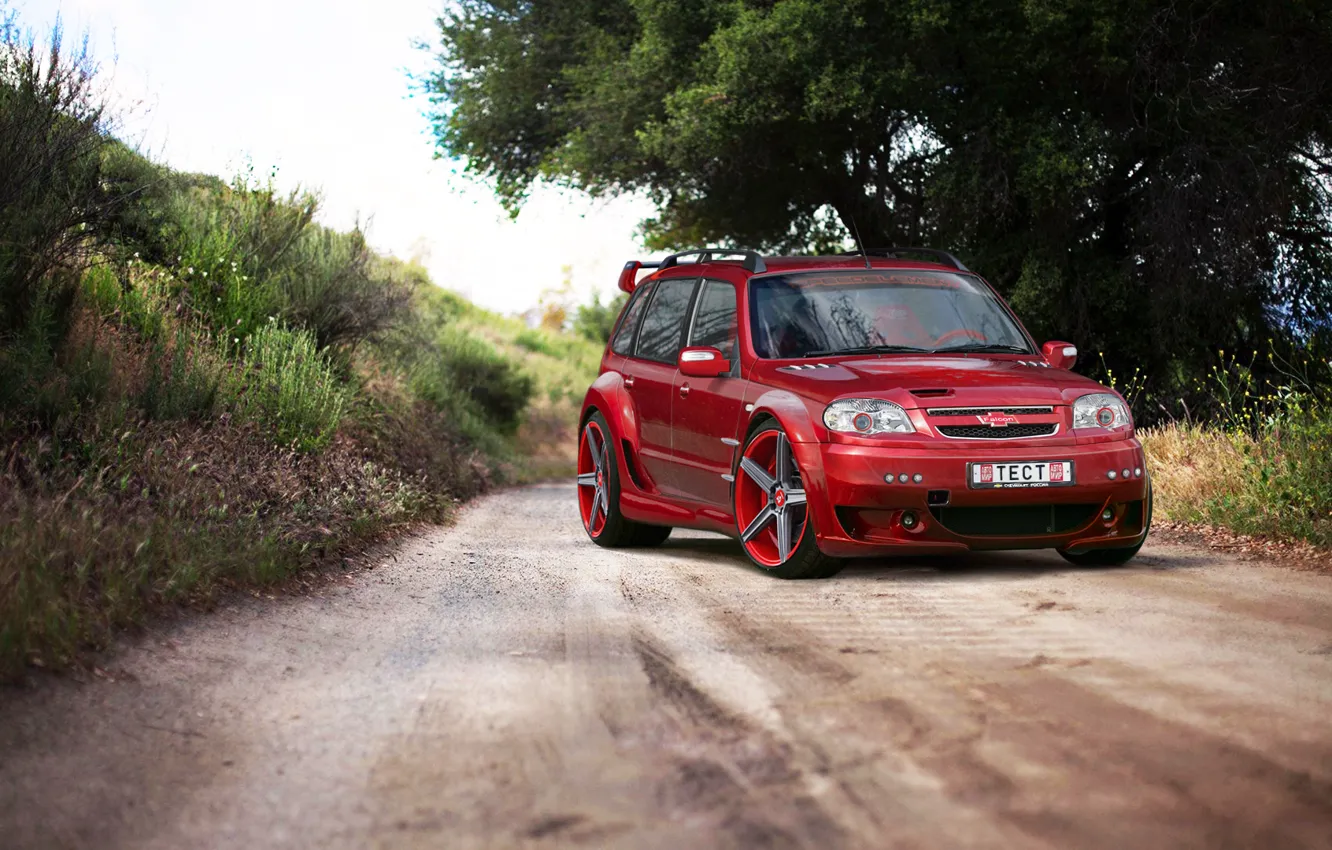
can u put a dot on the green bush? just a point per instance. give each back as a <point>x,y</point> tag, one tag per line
<point>288,386</point>
<point>595,321</point>
<point>184,378</point>
<point>245,254</point>
<point>1264,463</point>
<point>52,125</point>
<point>467,373</point>
<point>47,377</point>
<point>333,285</point>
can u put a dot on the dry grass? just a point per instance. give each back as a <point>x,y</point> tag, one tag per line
<point>1193,468</point>
<point>1273,486</point>
<point>107,515</point>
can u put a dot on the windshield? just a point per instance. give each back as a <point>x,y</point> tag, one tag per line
<point>829,313</point>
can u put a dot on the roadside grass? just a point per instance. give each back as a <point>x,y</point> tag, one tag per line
<point>167,514</point>
<point>561,366</point>
<point>1276,485</point>
<point>203,388</point>
<point>1261,464</point>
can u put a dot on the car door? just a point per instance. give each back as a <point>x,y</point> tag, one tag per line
<point>707,412</point>
<point>650,375</point>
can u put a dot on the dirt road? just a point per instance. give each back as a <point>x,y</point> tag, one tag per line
<point>506,684</point>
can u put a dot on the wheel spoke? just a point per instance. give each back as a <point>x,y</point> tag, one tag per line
<point>605,501</point>
<point>760,522</point>
<point>593,444</point>
<point>783,461</point>
<point>794,498</point>
<point>758,474</point>
<point>596,507</point>
<point>783,536</point>
<point>587,480</point>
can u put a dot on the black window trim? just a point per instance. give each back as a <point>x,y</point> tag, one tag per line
<point>685,327</point>
<point>644,290</point>
<point>693,318</point>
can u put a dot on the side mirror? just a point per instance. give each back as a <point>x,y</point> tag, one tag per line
<point>1060,355</point>
<point>703,363</point>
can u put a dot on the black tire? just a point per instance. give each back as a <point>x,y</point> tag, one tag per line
<point>1116,557</point>
<point>806,561</point>
<point>619,532</point>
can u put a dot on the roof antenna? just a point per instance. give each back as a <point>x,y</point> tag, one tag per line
<point>855,231</point>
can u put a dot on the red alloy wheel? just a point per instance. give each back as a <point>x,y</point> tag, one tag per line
<point>593,481</point>
<point>770,504</point>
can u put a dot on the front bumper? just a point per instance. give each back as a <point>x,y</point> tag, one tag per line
<point>858,513</point>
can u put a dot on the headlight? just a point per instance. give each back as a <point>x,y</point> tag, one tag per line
<point>867,416</point>
<point>1100,410</point>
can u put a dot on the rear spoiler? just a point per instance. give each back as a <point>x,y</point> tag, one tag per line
<point>752,262</point>
<point>629,276</point>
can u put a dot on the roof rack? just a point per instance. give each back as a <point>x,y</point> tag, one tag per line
<point>943,257</point>
<point>753,261</point>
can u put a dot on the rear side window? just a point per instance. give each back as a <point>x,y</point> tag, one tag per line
<point>714,321</point>
<point>624,337</point>
<point>663,326</point>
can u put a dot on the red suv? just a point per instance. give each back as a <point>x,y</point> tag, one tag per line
<point>821,408</point>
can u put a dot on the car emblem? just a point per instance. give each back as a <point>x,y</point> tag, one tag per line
<point>996,419</point>
<point>780,499</point>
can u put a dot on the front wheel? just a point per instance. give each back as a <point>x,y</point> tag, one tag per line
<point>771,512</point>
<point>1113,557</point>
<point>599,493</point>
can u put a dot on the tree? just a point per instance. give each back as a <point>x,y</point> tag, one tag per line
<point>52,138</point>
<point>1152,178</point>
<point>595,320</point>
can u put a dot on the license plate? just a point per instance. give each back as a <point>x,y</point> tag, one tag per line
<point>1021,474</point>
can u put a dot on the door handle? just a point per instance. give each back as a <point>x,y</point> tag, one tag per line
<point>684,391</point>
<point>629,381</point>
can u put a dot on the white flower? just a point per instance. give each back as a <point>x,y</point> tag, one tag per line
<point>190,270</point>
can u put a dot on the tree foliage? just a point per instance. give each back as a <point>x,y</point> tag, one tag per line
<point>1143,176</point>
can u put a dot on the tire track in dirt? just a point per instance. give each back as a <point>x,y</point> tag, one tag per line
<point>507,684</point>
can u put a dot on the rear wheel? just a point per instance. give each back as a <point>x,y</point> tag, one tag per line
<point>1117,557</point>
<point>599,493</point>
<point>771,512</point>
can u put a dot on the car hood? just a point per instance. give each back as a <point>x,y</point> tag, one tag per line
<point>929,381</point>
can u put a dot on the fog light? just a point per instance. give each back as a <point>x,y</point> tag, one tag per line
<point>1112,475</point>
<point>904,478</point>
<point>1137,473</point>
<point>909,520</point>
<point>1126,473</point>
<point>1107,514</point>
<point>918,478</point>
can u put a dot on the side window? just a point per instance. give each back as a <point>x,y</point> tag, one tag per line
<point>715,322</point>
<point>624,337</point>
<point>663,326</point>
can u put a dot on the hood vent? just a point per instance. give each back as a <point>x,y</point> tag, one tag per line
<point>805,367</point>
<point>939,393</point>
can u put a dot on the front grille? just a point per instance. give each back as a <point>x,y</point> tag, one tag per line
<point>981,411</point>
<point>1010,432</point>
<point>1014,520</point>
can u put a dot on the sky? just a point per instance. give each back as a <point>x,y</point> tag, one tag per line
<point>320,90</point>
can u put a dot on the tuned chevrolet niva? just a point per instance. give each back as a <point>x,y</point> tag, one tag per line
<point>824,408</point>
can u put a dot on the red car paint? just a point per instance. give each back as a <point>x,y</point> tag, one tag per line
<point>679,439</point>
